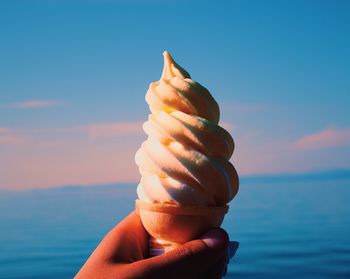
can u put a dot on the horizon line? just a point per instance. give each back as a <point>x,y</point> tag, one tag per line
<point>331,173</point>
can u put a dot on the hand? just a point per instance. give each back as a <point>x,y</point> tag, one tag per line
<point>123,253</point>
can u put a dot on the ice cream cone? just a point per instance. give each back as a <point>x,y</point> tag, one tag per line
<point>171,225</point>
<point>184,162</point>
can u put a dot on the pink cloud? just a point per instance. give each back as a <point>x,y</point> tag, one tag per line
<point>36,104</point>
<point>66,156</point>
<point>8,139</point>
<point>330,137</point>
<point>7,136</point>
<point>114,129</point>
<point>70,162</point>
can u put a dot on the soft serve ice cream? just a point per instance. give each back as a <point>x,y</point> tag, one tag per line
<point>185,159</point>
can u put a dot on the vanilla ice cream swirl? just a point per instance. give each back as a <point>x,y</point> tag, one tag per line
<point>185,159</point>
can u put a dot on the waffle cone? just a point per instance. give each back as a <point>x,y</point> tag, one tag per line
<point>176,225</point>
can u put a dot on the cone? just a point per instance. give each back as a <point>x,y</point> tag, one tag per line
<point>171,225</point>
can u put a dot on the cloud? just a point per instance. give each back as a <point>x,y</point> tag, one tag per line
<point>71,162</point>
<point>55,156</point>
<point>55,136</point>
<point>330,137</point>
<point>113,129</point>
<point>7,136</point>
<point>8,139</point>
<point>31,104</point>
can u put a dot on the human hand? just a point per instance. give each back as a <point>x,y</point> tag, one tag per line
<point>123,253</point>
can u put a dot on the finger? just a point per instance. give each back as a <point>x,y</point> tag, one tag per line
<point>188,260</point>
<point>125,243</point>
<point>217,270</point>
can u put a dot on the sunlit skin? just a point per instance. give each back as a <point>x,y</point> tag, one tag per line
<point>123,253</point>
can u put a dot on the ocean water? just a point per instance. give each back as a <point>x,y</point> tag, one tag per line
<point>287,228</point>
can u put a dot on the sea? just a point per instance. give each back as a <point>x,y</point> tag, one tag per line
<point>287,227</point>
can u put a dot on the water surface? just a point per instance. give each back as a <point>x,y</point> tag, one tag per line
<point>286,228</point>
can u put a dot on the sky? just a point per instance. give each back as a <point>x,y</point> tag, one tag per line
<point>73,76</point>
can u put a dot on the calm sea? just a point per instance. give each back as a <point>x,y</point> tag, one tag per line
<point>287,228</point>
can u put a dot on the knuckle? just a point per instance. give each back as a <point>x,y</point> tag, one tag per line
<point>187,251</point>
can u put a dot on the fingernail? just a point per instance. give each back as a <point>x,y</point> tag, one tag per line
<point>214,238</point>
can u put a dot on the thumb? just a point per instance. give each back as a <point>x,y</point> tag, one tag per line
<point>191,259</point>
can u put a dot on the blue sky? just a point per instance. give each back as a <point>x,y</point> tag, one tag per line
<point>73,75</point>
